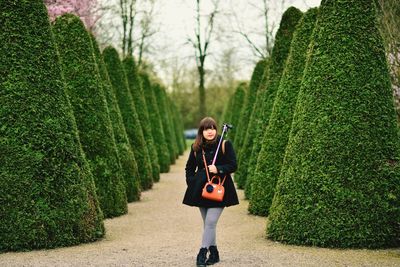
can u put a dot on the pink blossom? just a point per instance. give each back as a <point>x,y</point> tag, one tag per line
<point>82,8</point>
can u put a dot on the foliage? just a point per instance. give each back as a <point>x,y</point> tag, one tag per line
<point>178,126</point>
<point>127,158</point>
<point>82,8</point>
<point>156,125</point>
<point>248,104</point>
<point>47,193</point>
<point>276,135</point>
<point>339,183</point>
<point>87,98</point>
<point>238,102</point>
<point>165,121</point>
<point>262,110</point>
<point>135,86</point>
<point>129,115</point>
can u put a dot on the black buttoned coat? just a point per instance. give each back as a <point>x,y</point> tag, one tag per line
<point>196,175</point>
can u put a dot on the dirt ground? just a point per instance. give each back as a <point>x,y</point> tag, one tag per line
<point>160,231</point>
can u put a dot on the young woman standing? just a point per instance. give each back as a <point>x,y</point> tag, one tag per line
<point>207,142</point>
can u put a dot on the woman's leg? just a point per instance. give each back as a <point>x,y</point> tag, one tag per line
<point>210,225</point>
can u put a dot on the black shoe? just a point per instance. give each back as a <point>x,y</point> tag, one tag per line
<point>214,255</point>
<point>202,257</point>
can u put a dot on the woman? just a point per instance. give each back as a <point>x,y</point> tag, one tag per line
<point>207,140</point>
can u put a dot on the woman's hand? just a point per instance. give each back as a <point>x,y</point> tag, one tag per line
<point>212,169</point>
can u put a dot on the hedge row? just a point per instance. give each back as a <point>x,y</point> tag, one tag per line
<point>339,184</point>
<point>274,142</point>
<point>47,192</point>
<point>129,115</point>
<point>127,158</point>
<point>84,90</point>
<point>67,155</point>
<point>135,86</point>
<point>156,125</point>
<point>267,92</point>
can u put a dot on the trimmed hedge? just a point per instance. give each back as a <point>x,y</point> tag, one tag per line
<point>339,183</point>
<point>238,101</point>
<point>47,193</point>
<point>127,158</point>
<point>178,126</point>
<point>277,133</point>
<point>165,121</point>
<point>170,121</point>
<point>280,52</point>
<point>245,151</point>
<point>249,101</point>
<point>129,115</point>
<point>262,111</point>
<point>87,98</point>
<point>135,87</point>
<point>156,125</point>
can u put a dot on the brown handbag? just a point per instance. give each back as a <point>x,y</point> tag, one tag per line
<point>211,190</point>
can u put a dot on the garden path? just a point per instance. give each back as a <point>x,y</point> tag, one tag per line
<point>160,231</point>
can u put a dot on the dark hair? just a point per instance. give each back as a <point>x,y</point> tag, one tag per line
<point>206,123</point>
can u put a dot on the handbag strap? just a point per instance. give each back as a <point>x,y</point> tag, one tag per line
<point>208,175</point>
<point>205,165</point>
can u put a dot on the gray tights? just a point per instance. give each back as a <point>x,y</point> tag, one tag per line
<point>210,218</point>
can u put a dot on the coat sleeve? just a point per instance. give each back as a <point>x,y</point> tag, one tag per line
<point>230,165</point>
<point>191,165</point>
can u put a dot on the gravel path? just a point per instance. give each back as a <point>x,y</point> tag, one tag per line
<point>160,231</point>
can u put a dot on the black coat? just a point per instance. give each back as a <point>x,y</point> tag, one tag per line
<point>196,175</point>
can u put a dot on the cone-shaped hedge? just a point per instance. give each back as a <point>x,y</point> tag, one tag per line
<point>270,159</point>
<point>178,126</point>
<point>249,101</point>
<point>87,98</point>
<point>245,151</point>
<point>170,120</point>
<point>339,184</point>
<point>127,158</point>
<point>128,111</point>
<point>156,125</point>
<point>238,100</point>
<point>280,52</point>
<point>164,117</point>
<point>47,193</point>
<point>135,87</point>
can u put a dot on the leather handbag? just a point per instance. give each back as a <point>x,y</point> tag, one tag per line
<point>211,190</point>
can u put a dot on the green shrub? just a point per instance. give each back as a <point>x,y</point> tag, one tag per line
<point>339,183</point>
<point>279,55</point>
<point>156,125</point>
<point>129,115</point>
<point>47,193</point>
<point>238,101</point>
<point>127,158</point>
<point>247,146</point>
<point>170,121</point>
<point>178,126</point>
<point>263,107</point>
<point>249,101</point>
<point>91,113</point>
<point>277,133</point>
<point>135,86</point>
<point>165,121</point>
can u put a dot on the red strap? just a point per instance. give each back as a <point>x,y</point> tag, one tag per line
<point>205,165</point>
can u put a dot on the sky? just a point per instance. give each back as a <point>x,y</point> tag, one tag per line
<point>175,23</point>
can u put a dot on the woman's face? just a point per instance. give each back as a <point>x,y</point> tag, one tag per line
<point>209,134</point>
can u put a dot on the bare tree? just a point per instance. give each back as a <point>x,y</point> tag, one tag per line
<point>147,29</point>
<point>389,21</point>
<point>264,11</point>
<point>201,44</point>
